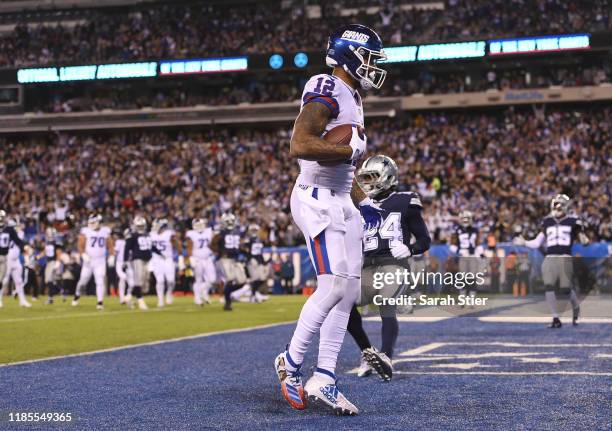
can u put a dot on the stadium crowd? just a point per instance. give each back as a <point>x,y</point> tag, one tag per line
<point>273,88</point>
<point>504,166</point>
<point>199,29</point>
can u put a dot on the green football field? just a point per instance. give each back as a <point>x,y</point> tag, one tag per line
<point>44,331</point>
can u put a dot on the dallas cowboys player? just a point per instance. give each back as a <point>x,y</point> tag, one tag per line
<point>124,273</point>
<point>163,267</point>
<point>227,245</point>
<point>326,203</point>
<point>53,263</point>
<point>466,244</point>
<point>559,231</point>
<point>201,259</point>
<point>386,250</point>
<point>7,235</point>
<point>95,241</point>
<point>14,269</point>
<point>138,252</point>
<point>256,265</point>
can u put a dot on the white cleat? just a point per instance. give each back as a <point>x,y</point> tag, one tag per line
<point>74,303</point>
<point>142,305</point>
<point>160,305</point>
<point>99,307</point>
<point>380,362</point>
<point>325,392</point>
<point>25,304</point>
<point>127,298</point>
<point>169,298</point>
<point>364,368</point>
<point>260,297</point>
<point>1,304</point>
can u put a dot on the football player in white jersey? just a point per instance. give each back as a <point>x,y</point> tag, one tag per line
<point>121,265</point>
<point>14,268</point>
<point>327,204</point>
<point>95,241</point>
<point>163,266</point>
<point>201,259</point>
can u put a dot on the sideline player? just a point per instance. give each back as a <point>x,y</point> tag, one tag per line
<point>559,232</point>
<point>120,265</point>
<point>138,252</point>
<point>7,235</point>
<point>386,250</point>
<point>466,244</point>
<point>164,269</point>
<point>201,259</point>
<point>53,263</point>
<point>14,269</point>
<point>256,266</point>
<point>227,246</point>
<point>94,242</point>
<point>324,205</point>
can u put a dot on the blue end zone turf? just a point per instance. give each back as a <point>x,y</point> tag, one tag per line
<point>454,374</point>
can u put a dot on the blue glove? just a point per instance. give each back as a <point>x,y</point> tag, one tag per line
<point>371,213</point>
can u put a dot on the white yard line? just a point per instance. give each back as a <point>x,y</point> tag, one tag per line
<point>504,373</point>
<point>541,319</point>
<point>101,313</point>
<point>150,343</point>
<point>422,349</point>
<point>414,319</point>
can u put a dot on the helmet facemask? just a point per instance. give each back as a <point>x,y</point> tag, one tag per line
<point>199,225</point>
<point>140,225</point>
<point>368,74</point>
<point>559,206</point>
<point>94,222</point>
<point>466,218</point>
<point>378,174</point>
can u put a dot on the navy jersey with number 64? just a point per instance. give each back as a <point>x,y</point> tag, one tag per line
<point>402,217</point>
<point>254,248</point>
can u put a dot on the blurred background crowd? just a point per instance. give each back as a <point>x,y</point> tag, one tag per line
<point>179,30</point>
<point>503,165</point>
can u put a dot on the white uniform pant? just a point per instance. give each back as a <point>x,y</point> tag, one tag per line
<point>205,274</point>
<point>163,269</point>
<point>14,270</point>
<point>97,268</point>
<point>333,230</point>
<point>332,227</point>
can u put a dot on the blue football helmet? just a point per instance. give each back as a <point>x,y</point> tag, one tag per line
<point>357,48</point>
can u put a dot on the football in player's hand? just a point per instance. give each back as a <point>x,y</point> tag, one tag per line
<point>341,136</point>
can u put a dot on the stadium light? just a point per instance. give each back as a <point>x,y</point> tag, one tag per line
<point>300,60</point>
<point>276,61</point>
